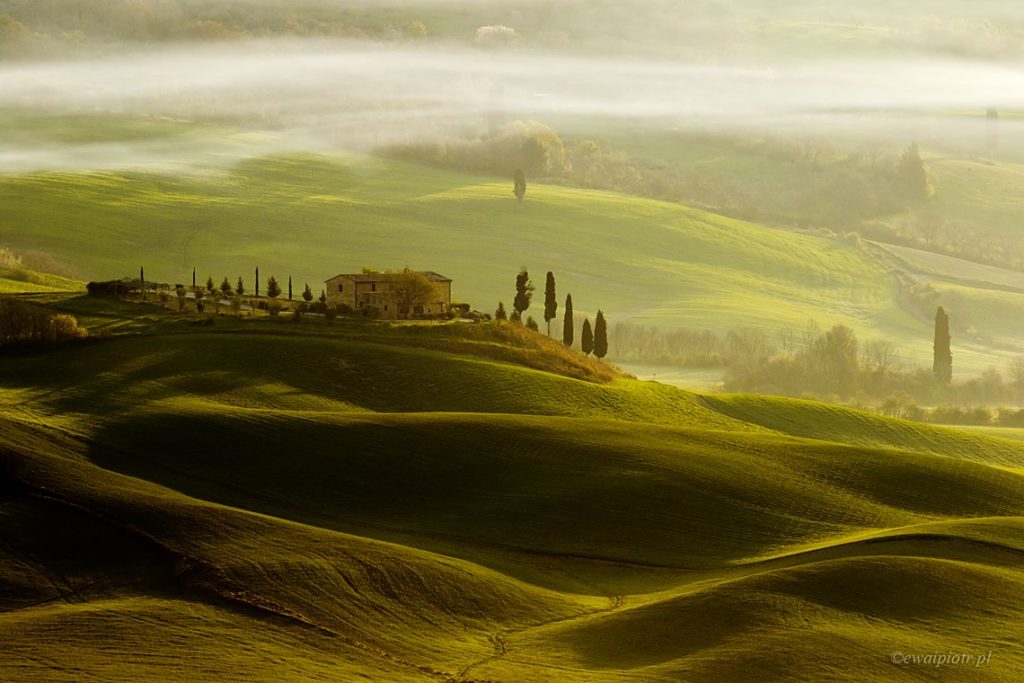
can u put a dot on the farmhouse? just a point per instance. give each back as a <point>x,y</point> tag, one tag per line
<point>385,294</point>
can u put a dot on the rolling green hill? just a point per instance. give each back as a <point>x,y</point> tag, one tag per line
<point>309,501</point>
<point>642,261</point>
<point>310,217</point>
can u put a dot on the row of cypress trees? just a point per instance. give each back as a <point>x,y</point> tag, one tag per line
<point>273,288</point>
<point>593,339</point>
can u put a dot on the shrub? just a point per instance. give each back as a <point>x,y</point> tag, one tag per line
<point>115,288</point>
<point>21,323</point>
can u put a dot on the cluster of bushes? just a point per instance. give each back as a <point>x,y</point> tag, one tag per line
<point>25,324</point>
<point>528,145</point>
<point>829,365</point>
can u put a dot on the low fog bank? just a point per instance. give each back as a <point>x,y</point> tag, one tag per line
<point>362,96</point>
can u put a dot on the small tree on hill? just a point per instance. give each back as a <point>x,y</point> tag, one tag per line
<point>520,185</point>
<point>307,294</point>
<point>524,292</point>
<point>273,289</point>
<point>587,338</point>
<point>210,286</point>
<point>942,364</point>
<point>600,336</point>
<point>532,324</point>
<point>550,302</point>
<point>568,324</point>
<point>225,286</point>
<point>500,314</point>
<point>516,318</point>
<point>240,287</point>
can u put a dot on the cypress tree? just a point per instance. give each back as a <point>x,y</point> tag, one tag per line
<point>587,341</point>
<point>193,278</point>
<point>209,284</point>
<point>307,294</point>
<point>500,314</point>
<point>568,324</point>
<point>524,292</point>
<point>531,324</point>
<point>942,365</point>
<point>257,281</point>
<point>600,336</point>
<point>240,287</point>
<point>323,296</point>
<point>225,286</point>
<point>550,302</point>
<point>142,281</point>
<point>289,288</point>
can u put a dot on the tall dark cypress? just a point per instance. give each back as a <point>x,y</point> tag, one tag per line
<point>142,280</point>
<point>600,336</point>
<point>289,288</point>
<point>568,323</point>
<point>193,278</point>
<point>942,365</point>
<point>257,281</point>
<point>550,302</point>
<point>587,338</point>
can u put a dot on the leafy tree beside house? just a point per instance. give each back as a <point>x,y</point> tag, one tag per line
<point>410,289</point>
<point>307,294</point>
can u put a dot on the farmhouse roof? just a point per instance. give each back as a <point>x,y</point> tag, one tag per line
<point>380,277</point>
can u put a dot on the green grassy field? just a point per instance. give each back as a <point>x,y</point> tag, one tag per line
<point>303,502</point>
<point>641,261</point>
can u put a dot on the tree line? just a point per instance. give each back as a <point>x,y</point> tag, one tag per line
<point>593,338</point>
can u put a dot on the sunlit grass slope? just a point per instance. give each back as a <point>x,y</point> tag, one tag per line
<point>293,502</point>
<point>26,281</point>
